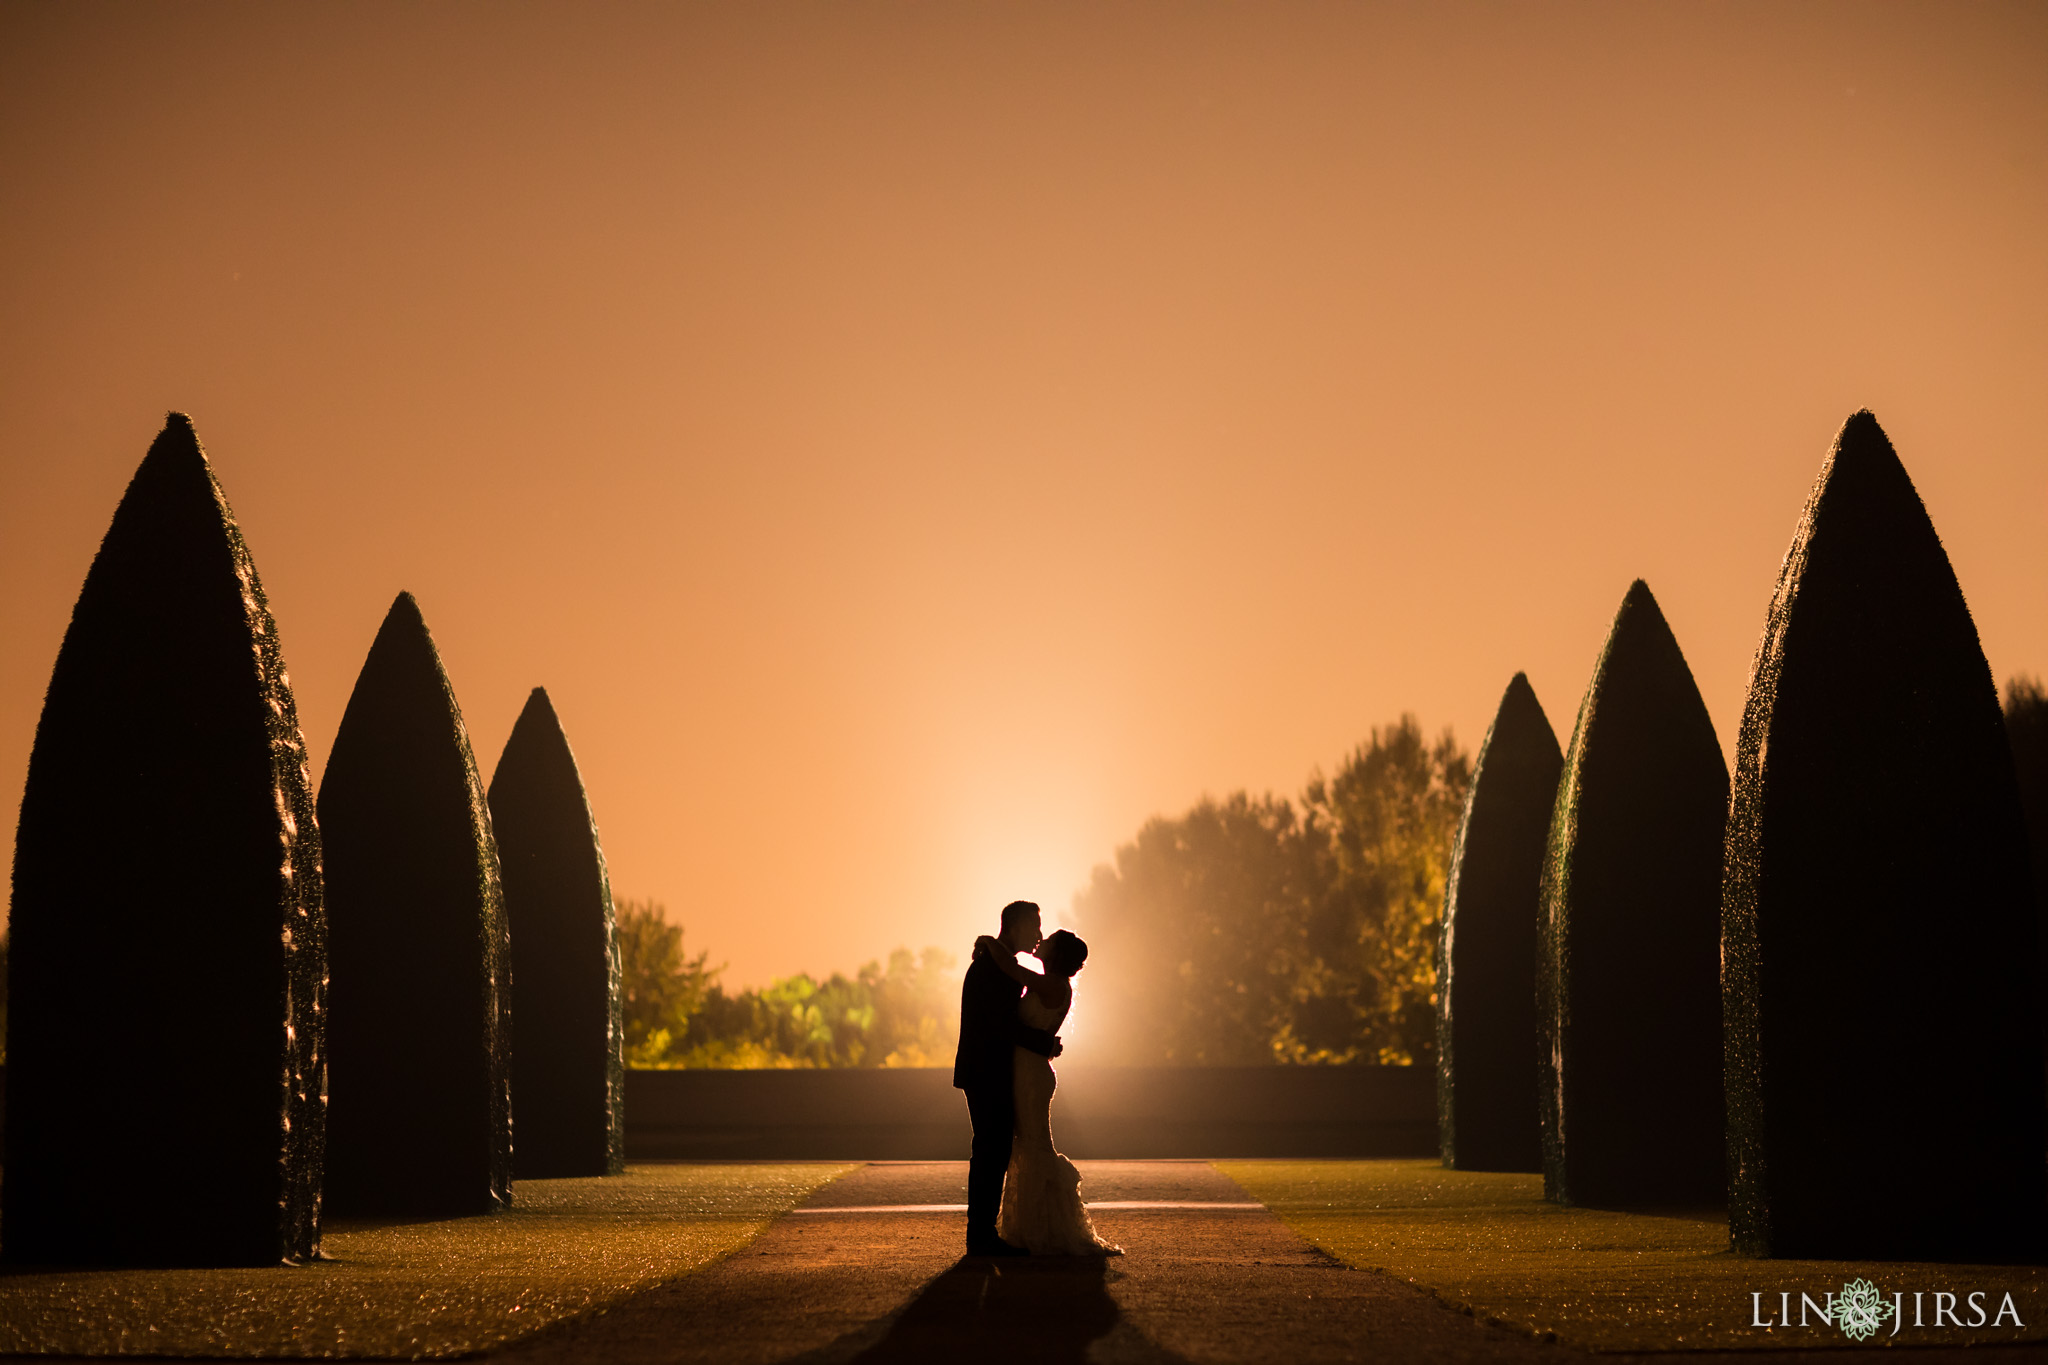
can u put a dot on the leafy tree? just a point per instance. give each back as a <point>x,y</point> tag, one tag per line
<point>664,988</point>
<point>1382,829</point>
<point>678,1015</point>
<point>1253,930</point>
<point>1193,932</point>
<point>917,1007</point>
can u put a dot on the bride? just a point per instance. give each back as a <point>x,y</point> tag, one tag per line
<point>1042,1207</point>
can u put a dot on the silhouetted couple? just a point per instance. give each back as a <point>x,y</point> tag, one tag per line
<point>1023,1197</point>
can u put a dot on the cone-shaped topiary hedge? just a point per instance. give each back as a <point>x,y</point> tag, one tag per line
<point>2026,725</point>
<point>1629,999</point>
<point>568,1078</point>
<point>419,1033</point>
<point>1884,1057</point>
<point>1486,991</point>
<point>167,892</point>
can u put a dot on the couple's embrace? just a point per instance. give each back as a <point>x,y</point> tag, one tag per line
<point>1023,1197</point>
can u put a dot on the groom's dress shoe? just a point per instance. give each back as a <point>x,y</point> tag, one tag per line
<point>995,1246</point>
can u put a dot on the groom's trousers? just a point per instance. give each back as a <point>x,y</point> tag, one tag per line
<point>993,1111</point>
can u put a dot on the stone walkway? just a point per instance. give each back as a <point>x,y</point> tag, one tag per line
<point>1199,1283</point>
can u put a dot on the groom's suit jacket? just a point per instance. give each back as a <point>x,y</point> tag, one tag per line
<point>989,1028</point>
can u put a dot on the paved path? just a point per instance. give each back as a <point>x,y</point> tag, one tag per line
<point>1208,1280</point>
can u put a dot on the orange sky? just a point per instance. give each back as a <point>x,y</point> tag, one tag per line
<point>914,443</point>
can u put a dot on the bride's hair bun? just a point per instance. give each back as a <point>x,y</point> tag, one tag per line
<point>1069,952</point>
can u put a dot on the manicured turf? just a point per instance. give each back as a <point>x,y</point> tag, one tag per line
<point>1599,1279</point>
<point>419,1289</point>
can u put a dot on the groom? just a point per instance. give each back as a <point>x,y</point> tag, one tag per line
<point>989,1029</point>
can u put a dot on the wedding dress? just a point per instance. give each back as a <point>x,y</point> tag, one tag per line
<point>1042,1207</point>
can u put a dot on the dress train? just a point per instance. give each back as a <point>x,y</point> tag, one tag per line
<point>1042,1207</point>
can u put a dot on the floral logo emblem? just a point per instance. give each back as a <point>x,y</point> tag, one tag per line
<point>1860,1310</point>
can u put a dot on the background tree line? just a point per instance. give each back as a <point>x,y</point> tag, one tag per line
<point>677,1014</point>
<point>1247,931</point>
<point>1250,930</point>
<point>1266,930</point>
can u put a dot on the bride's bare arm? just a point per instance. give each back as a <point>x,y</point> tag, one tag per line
<point>1005,961</point>
<point>1045,1044</point>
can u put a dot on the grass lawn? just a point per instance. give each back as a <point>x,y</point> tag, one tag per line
<point>418,1289</point>
<point>1604,1280</point>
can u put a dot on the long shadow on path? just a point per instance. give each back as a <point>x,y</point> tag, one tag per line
<point>867,1270</point>
<point>1043,1311</point>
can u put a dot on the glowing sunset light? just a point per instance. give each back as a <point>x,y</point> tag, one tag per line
<point>917,445</point>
